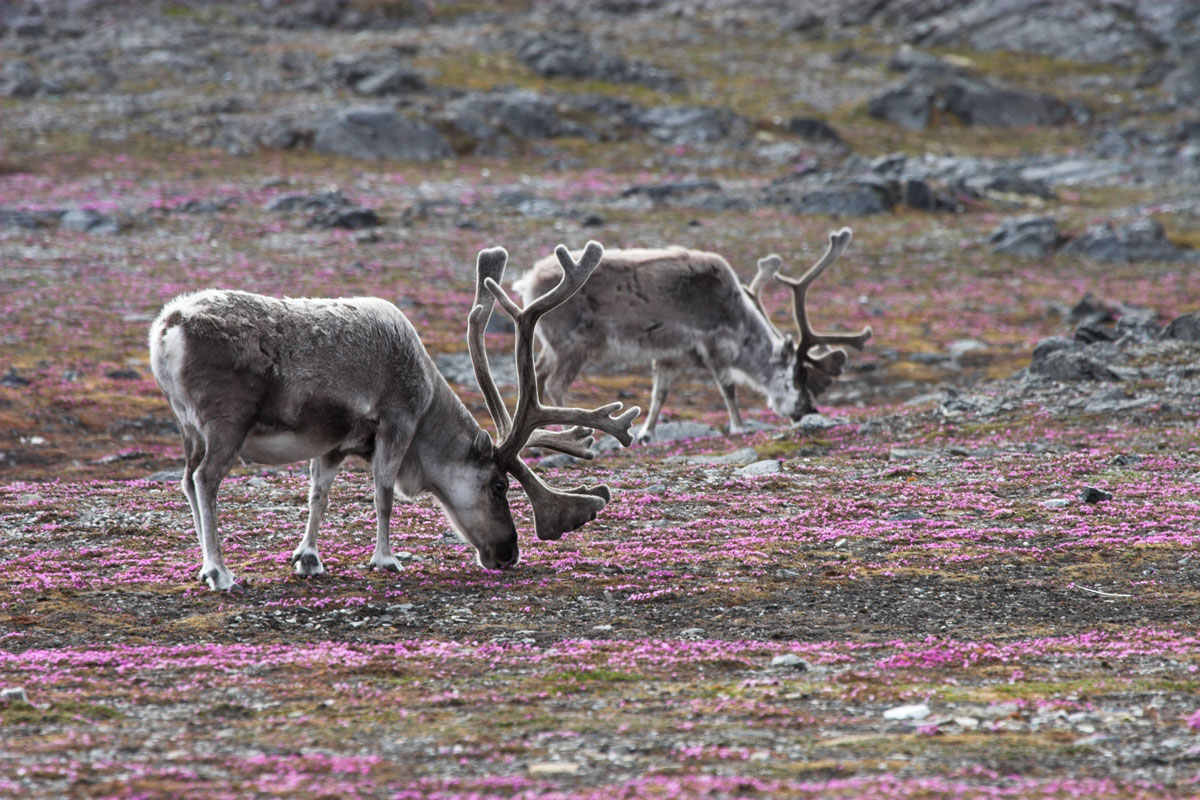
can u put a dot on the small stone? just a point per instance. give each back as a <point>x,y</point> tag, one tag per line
<point>14,694</point>
<point>553,768</point>
<point>451,536</point>
<point>811,423</point>
<point>916,711</point>
<point>12,379</point>
<point>1093,495</point>
<point>757,469</point>
<point>910,454</point>
<point>966,723</point>
<point>791,661</point>
<point>1057,502</point>
<point>689,631</point>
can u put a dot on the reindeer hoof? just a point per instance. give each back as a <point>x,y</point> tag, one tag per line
<point>307,562</point>
<point>217,577</point>
<point>389,564</point>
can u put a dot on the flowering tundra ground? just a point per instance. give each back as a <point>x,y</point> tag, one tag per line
<point>911,596</point>
<point>711,634</point>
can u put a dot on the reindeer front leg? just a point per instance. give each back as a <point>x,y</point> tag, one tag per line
<point>390,446</point>
<point>322,471</point>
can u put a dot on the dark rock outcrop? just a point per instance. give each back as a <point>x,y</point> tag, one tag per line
<point>1144,240</point>
<point>927,95</point>
<point>379,134</point>
<point>574,55</point>
<point>1185,328</point>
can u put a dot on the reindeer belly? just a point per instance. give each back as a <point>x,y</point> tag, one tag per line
<point>285,447</point>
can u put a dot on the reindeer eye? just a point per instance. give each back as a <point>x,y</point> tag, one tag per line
<point>500,488</point>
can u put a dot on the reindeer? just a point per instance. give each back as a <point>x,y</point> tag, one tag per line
<point>282,380</point>
<point>677,306</point>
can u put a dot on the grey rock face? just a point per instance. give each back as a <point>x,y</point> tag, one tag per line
<point>379,134</point>
<point>1028,236</point>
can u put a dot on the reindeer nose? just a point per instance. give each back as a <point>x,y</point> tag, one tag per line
<point>506,554</point>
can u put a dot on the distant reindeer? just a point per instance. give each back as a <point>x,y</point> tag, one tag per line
<point>277,381</point>
<point>676,307</point>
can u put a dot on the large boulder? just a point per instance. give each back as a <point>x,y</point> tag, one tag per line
<point>490,123</point>
<point>1029,236</point>
<point>928,94</point>
<point>1185,328</point>
<point>379,134</point>
<point>1144,240</point>
<point>1069,360</point>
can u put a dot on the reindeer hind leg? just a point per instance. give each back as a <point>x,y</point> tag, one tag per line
<point>663,371</point>
<point>222,443</point>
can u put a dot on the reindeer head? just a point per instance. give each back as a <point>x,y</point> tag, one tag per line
<point>555,512</point>
<point>817,363</point>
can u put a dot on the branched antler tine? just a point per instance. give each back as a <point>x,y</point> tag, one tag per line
<point>507,305</point>
<point>600,490</point>
<point>575,274</point>
<point>838,242</point>
<point>489,266</point>
<point>768,266</point>
<point>597,418</point>
<point>831,361</point>
<point>530,414</point>
<point>555,512</point>
<point>576,441</point>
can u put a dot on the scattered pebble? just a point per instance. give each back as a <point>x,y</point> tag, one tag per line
<point>916,711</point>
<point>14,694</point>
<point>553,768</point>
<point>790,660</point>
<point>759,468</point>
<point>1093,495</point>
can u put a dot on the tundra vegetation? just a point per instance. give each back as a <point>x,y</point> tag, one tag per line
<point>973,574</point>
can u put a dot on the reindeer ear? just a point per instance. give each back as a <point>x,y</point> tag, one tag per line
<point>482,446</point>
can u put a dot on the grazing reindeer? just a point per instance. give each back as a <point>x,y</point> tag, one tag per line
<point>677,306</point>
<point>278,381</point>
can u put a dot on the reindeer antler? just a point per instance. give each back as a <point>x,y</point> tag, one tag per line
<point>555,512</point>
<point>816,348</point>
<point>768,267</point>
